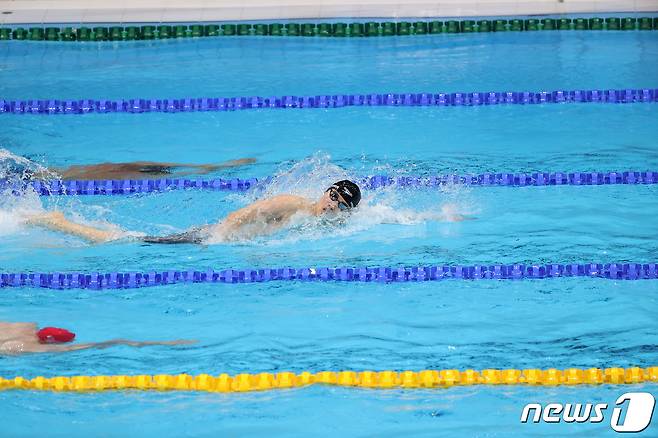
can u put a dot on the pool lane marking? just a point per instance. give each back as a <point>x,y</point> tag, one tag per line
<point>204,104</point>
<point>159,31</point>
<point>132,280</point>
<point>535,179</point>
<point>247,382</point>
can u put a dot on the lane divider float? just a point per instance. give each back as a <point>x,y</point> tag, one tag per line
<point>127,187</point>
<point>203,104</point>
<point>131,280</point>
<point>365,379</point>
<point>354,29</point>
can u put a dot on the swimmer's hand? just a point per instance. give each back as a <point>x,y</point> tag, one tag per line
<point>449,214</point>
<point>458,218</point>
<point>227,164</point>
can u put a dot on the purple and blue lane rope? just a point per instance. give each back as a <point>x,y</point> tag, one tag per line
<point>126,187</point>
<point>129,280</point>
<point>84,106</point>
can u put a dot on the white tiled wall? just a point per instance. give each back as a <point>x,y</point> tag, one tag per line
<point>77,11</point>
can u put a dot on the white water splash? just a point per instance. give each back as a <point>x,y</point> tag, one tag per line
<point>308,178</point>
<point>16,207</point>
<point>18,201</point>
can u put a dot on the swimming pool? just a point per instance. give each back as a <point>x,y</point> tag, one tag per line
<point>301,326</point>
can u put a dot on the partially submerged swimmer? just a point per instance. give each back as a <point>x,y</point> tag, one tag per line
<point>25,337</point>
<point>143,169</point>
<point>132,170</point>
<point>261,217</point>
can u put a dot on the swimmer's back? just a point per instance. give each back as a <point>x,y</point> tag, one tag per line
<point>136,170</point>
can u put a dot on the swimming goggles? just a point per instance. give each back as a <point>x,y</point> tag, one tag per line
<point>333,195</point>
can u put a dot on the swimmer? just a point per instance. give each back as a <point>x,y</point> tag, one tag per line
<point>261,217</point>
<point>25,337</point>
<point>144,169</point>
<point>133,170</point>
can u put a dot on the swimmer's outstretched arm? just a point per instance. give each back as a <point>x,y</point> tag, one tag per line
<point>55,220</point>
<point>112,343</point>
<point>60,348</point>
<point>454,218</point>
<point>230,163</point>
<point>449,214</point>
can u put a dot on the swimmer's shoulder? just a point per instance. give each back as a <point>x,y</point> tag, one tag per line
<point>278,203</point>
<point>289,199</point>
<point>287,204</point>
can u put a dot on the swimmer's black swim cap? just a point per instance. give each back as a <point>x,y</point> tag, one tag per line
<point>349,191</point>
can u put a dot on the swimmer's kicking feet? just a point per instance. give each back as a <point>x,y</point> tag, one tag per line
<point>25,337</point>
<point>261,217</point>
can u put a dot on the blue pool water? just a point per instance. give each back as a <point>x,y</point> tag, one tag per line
<point>288,326</point>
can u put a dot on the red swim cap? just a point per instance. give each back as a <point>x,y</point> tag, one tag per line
<point>54,335</point>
